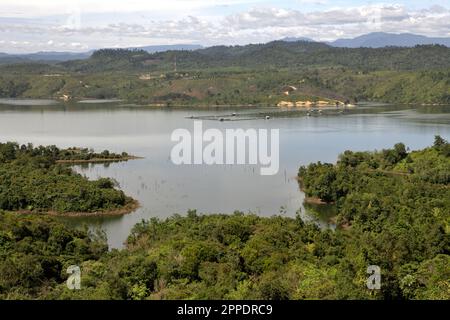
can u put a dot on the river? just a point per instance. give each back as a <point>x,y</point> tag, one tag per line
<point>164,188</point>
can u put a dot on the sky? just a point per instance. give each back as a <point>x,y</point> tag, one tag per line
<point>82,25</point>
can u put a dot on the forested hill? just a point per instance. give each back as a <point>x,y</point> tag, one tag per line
<point>307,54</point>
<point>278,54</point>
<point>241,75</point>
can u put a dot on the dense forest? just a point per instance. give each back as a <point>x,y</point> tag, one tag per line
<point>393,211</point>
<point>241,75</point>
<point>33,180</point>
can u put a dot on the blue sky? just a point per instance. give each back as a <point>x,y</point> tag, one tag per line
<point>81,25</point>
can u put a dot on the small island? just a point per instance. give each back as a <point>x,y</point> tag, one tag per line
<point>38,180</point>
<point>76,155</point>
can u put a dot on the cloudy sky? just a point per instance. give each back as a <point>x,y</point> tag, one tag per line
<point>81,25</point>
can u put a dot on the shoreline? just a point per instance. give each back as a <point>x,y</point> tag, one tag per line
<point>99,160</point>
<point>137,104</point>
<point>311,200</point>
<point>316,200</point>
<point>128,208</point>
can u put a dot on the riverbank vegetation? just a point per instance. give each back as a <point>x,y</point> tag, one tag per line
<point>32,180</point>
<point>84,155</point>
<point>393,211</point>
<point>241,75</point>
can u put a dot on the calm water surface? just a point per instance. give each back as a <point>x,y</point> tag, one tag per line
<point>163,188</point>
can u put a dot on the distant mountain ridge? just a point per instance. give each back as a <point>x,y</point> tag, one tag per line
<point>44,56</point>
<point>52,56</point>
<point>370,40</point>
<point>382,39</point>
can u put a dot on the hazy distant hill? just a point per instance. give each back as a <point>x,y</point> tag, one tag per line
<point>51,56</point>
<point>382,39</point>
<point>371,40</point>
<point>43,57</point>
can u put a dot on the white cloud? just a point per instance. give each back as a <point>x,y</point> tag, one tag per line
<point>321,2</point>
<point>34,8</point>
<point>263,17</point>
<point>259,24</point>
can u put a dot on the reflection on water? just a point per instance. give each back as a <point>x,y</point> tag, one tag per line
<point>163,188</point>
<point>322,214</point>
<point>27,102</point>
<point>94,101</point>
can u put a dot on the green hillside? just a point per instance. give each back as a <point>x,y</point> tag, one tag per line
<point>241,75</point>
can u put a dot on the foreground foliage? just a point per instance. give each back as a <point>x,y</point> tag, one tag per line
<point>393,211</point>
<point>35,252</point>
